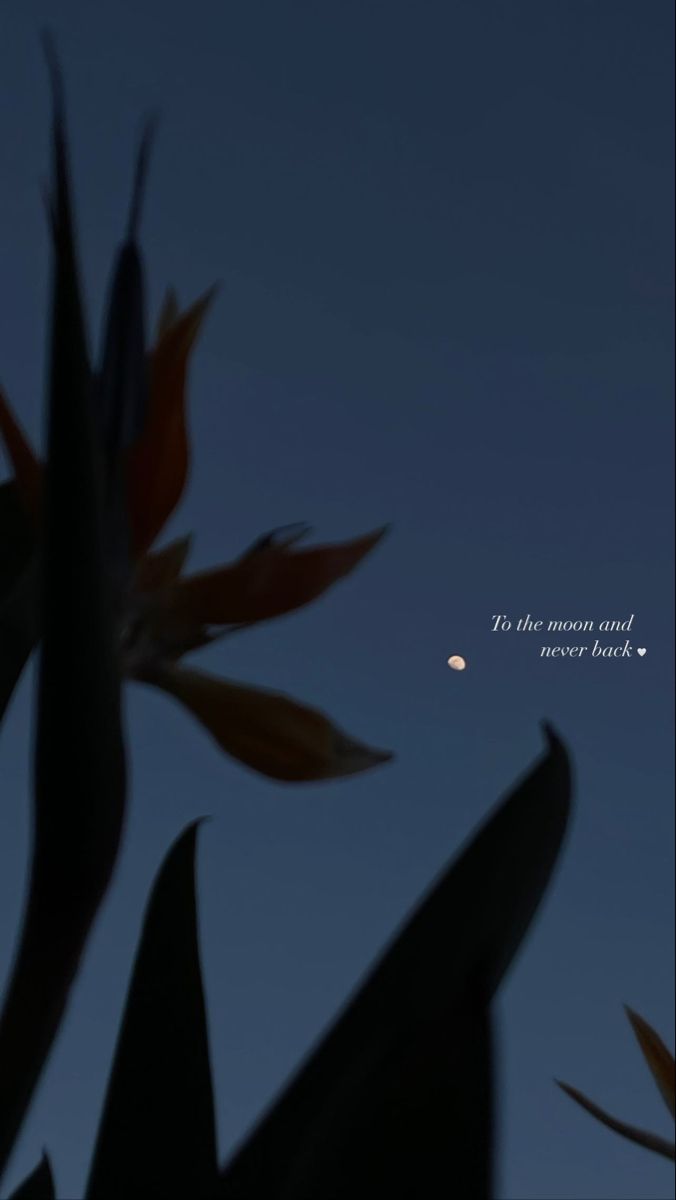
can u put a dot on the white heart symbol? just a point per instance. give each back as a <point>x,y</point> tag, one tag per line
<point>640,650</point>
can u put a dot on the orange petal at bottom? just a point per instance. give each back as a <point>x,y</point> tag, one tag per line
<point>266,730</point>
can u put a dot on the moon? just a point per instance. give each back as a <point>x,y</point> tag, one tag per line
<point>457,663</point>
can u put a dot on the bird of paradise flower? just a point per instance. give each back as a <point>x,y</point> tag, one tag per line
<point>167,614</point>
<point>663,1069</point>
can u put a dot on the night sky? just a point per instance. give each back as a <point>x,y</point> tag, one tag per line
<point>443,232</point>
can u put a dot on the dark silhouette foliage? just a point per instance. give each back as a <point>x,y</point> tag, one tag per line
<point>398,1099</point>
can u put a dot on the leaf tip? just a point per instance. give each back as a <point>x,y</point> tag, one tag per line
<point>48,43</point>
<point>383,530</point>
<point>556,749</point>
<point>145,146</point>
<point>187,840</point>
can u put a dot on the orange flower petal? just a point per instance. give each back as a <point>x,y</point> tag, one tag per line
<point>158,463</point>
<point>651,1141</point>
<point>658,1058</point>
<point>168,314</point>
<point>268,731</point>
<point>27,468</point>
<point>271,579</point>
<point>162,568</point>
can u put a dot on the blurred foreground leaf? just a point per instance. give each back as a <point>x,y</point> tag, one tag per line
<point>157,1134</point>
<point>396,1101</point>
<point>123,384</point>
<point>18,591</point>
<point>79,768</point>
<point>17,539</point>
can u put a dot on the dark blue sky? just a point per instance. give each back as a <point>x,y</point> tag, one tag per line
<point>444,235</point>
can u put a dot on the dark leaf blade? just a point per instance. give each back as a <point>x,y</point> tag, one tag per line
<point>122,399</point>
<point>457,945</point>
<point>123,381</point>
<point>414,1117</point>
<point>124,378</point>
<point>157,1133</point>
<point>500,879</point>
<point>18,632</point>
<point>79,770</point>
<point>39,1185</point>
<point>18,606</point>
<point>17,539</point>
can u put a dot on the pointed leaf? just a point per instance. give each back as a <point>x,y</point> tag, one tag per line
<point>650,1141</point>
<point>18,588</point>
<point>19,626</point>
<point>17,539</point>
<point>39,1185</point>
<point>408,1119</point>
<point>158,464</point>
<point>122,388</point>
<point>123,383</point>
<point>157,1134</point>
<point>79,768</point>
<point>659,1059</point>
<point>271,579</point>
<point>18,580</point>
<point>268,731</point>
<point>429,991</point>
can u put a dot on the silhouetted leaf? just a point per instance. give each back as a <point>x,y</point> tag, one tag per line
<point>369,1103</point>
<point>414,1120</point>
<point>157,1135</point>
<point>18,575</point>
<point>18,631</point>
<point>124,371</point>
<point>39,1185</point>
<point>79,770</point>
<point>123,383</point>
<point>17,539</point>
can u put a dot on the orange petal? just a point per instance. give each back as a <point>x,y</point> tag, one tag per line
<point>160,569</point>
<point>651,1141</point>
<point>27,468</point>
<point>269,580</point>
<point>268,731</point>
<point>158,463</point>
<point>168,314</point>
<point>658,1058</point>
